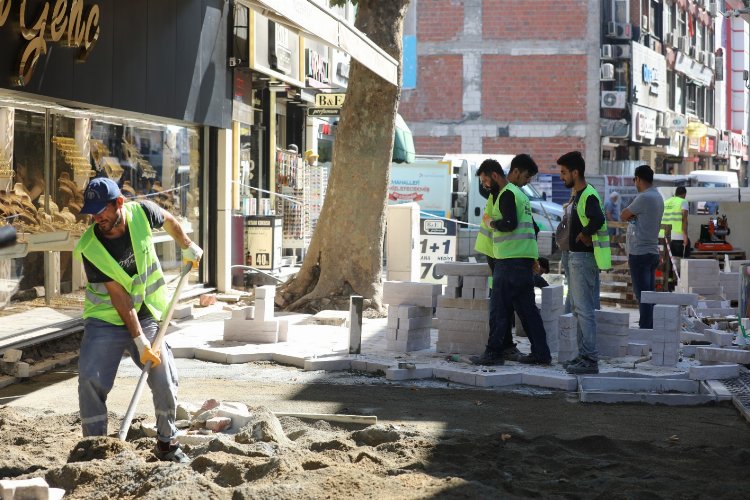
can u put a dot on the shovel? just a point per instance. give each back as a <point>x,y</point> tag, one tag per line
<point>156,346</point>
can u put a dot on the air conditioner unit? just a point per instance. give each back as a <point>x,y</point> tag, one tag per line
<point>619,30</point>
<point>607,51</point>
<point>700,56</point>
<point>614,99</point>
<point>711,61</point>
<point>607,72</point>
<point>622,51</point>
<point>683,45</point>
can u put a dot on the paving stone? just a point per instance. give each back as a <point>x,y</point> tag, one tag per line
<point>328,364</point>
<point>211,355</point>
<point>689,350</point>
<point>637,349</point>
<point>283,330</point>
<point>638,384</point>
<point>455,281</point>
<point>467,337</point>
<point>692,337</point>
<point>458,325</point>
<point>265,292</point>
<point>289,359</point>
<point>182,311</point>
<point>408,345</point>
<point>553,295</point>
<point>481,282</point>
<point>248,357</point>
<point>263,309</point>
<point>564,382</point>
<point>243,313</point>
<point>456,375</point>
<point>409,312</point>
<point>669,298</point>
<point>407,299</point>
<point>498,379</point>
<point>714,372</point>
<point>714,304</point>
<point>452,292</point>
<point>450,313</point>
<point>410,288</point>
<point>551,314</point>
<point>567,322</point>
<point>462,269</point>
<point>718,389</point>
<point>648,398</point>
<point>473,304</point>
<point>720,338</point>
<point>724,355</point>
<point>460,347</point>
<point>359,365</point>
<point>613,317</point>
<point>183,352</point>
<point>408,374</point>
<point>409,324</point>
<point>378,366</point>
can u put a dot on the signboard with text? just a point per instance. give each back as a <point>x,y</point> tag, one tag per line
<point>437,242</point>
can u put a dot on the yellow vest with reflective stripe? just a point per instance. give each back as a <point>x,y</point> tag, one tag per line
<point>600,239</point>
<point>147,287</point>
<point>672,215</point>
<point>483,244</point>
<point>521,242</point>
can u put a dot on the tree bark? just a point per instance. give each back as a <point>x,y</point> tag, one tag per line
<point>345,255</point>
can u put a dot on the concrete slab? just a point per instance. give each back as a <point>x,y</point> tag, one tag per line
<point>462,269</point>
<point>670,298</point>
<point>723,355</point>
<point>634,384</point>
<point>560,381</point>
<point>647,398</point>
<point>456,314</point>
<point>289,359</point>
<point>328,364</point>
<point>474,304</point>
<point>714,372</point>
<point>498,379</point>
<point>408,374</point>
<point>456,375</point>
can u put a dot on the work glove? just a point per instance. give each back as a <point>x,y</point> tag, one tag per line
<point>192,254</point>
<point>145,352</point>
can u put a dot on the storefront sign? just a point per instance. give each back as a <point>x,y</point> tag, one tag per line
<point>722,151</point>
<point>693,70</point>
<point>649,68</point>
<point>644,124</point>
<point>437,240</point>
<point>340,74</point>
<point>650,76</point>
<point>735,144</point>
<point>323,111</point>
<point>70,27</point>
<point>279,52</point>
<point>329,100</point>
<point>316,66</point>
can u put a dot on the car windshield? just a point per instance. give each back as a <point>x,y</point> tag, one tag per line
<point>531,192</point>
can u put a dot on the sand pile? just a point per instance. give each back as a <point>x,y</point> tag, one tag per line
<point>292,458</point>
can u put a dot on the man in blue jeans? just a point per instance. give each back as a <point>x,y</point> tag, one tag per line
<point>644,215</point>
<point>588,252</point>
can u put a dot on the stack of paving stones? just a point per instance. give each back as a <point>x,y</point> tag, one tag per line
<point>612,333</point>
<point>567,338</point>
<point>665,343</point>
<point>256,324</point>
<point>730,285</point>
<point>700,276</point>
<point>409,314</point>
<point>553,305</point>
<point>463,312</point>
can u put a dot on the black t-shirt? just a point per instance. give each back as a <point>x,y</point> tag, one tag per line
<point>121,249</point>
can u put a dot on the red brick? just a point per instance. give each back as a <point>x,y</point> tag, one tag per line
<point>427,145</point>
<point>537,19</point>
<point>544,150</point>
<point>439,20</point>
<point>534,88</point>
<point>439,92</point>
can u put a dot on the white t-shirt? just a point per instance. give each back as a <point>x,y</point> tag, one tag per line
<point>678,236</point>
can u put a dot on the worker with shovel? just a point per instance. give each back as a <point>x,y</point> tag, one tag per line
<point>125,299</point>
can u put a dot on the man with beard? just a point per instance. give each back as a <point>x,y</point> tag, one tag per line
<point>492,179</point>
<point>515,252</point>
<point>588,253</point>
<point>125,298</point>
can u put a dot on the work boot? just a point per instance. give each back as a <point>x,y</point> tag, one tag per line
<point>489,358</point>
<point>167,452</point>
<point>530,359</point>
<point>573,361</point>
<point>512,353</point>
<point>583,366</point>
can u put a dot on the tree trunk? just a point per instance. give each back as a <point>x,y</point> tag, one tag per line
<point>346,251</point>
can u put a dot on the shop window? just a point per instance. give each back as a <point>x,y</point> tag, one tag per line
<point>691,99</point>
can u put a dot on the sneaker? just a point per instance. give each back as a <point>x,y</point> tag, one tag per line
<point>530,359</point>
<point>489,358</point>
<point>573,361</point>
<point>583,366</point>
<point>173,454</point>
<point>512,354</point>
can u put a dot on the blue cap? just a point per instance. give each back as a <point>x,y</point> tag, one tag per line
<point>99,192</point>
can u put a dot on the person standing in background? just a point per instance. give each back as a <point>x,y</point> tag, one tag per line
<point>612,210</point>
<point>644,215</point>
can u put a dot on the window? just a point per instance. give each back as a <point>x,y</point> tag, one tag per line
<point>670,89</point>
<point>690,99</point>
<point>681,22</point>
<point>679,94</point>
<point>700,103</point>
<point>620,10</point>
<point>709,106</point>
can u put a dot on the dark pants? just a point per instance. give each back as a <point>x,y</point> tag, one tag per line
<point>677,247</point>
<point>643,273</point>
<point>513,289</point>
<point>508,337</point>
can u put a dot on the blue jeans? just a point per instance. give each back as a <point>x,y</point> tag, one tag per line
<point>643,273</point>
<point>513,289</point>
<point>102,349</point>
<point>569,298</point>
<point>584,293</point>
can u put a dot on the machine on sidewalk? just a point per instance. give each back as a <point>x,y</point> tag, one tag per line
<point>713,235</point>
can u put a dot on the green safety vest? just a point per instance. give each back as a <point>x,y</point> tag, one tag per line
<point>483,244</point>
<point>146,287</point>
<point>600,239</point>
<point>521,242</point>
<point>672,215</point>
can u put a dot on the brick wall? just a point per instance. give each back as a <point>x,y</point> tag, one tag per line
<point>439,20</point>
<point>437,145</point>
<point>533,19</point>
<point>439,93</point>
<point>534,88</point>
<point>544,150</point>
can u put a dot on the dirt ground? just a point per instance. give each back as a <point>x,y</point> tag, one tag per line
<point>433,440</point>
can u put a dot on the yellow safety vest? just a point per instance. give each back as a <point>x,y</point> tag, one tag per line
<point>483,244</point>
<point>672,215</point>
<point>146,287</point>
<point>521,242</point>
<point>600,239</point>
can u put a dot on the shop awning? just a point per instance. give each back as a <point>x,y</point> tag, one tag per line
<point>403,142</point>
<point>314,21</point>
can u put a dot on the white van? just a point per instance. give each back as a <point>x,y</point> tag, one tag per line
<point>713,178</point>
